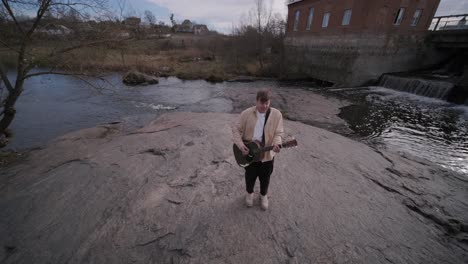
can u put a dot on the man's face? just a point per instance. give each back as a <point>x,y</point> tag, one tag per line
<point>262,107</point>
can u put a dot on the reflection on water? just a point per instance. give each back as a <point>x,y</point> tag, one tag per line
<point>53,105</point>
<point>427,128</point>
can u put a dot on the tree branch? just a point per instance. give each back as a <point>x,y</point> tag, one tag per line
<point>98,4</point>
<point>40,12</point>
<point>77,75</point>
<point>52,72</point>
<point>8,46</point>
<point>10,12</point>
<point>7,83</point>
<point>96,88</point>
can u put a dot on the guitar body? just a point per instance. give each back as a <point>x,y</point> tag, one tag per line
<point>255,153</point>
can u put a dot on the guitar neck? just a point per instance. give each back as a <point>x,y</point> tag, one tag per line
<point>271,147</point>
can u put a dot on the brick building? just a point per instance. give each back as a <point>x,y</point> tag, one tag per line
<point>360,16</point>
<point>352,41</point>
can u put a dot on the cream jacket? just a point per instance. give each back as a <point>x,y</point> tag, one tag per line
<point>243,129</point>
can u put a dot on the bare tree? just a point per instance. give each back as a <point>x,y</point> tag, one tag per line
<point>107,15</point>
<point>122,6</point>
<point>125,9</point>
<point>259,35</point>
<point>22,46</point>
<point>3,14</point>
<point>262,15</point>
<point>132,12</point>
<point>277,25</point>
<point>72,15</point>
<point>150,18</point>
<point>173,22</point>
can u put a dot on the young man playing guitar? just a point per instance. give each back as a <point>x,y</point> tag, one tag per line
<point>264,125</point>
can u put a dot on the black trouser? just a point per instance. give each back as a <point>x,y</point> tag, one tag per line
<point>262,170</point>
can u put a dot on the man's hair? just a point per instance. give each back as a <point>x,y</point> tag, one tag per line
<point>264,95</point>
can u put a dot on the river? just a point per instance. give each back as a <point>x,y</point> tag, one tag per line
<point>53,105</point>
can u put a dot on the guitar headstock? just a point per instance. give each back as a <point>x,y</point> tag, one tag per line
<point>290,143</point>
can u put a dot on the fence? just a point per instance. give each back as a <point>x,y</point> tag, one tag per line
<point>453,22</point>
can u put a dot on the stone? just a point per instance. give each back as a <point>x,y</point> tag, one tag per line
<point>137,78</point>
<point>214,79</point>
<point>163,194</point>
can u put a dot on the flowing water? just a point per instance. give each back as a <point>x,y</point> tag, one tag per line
<point>439,89</point>
<point>424,127</point>
<point>429,128</point>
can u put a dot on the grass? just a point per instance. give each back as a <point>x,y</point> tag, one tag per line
<point>8,59</point>
<point>184,57</point>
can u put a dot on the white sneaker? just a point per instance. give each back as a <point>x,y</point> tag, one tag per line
<point>264,202</point>
<point>249,199</point>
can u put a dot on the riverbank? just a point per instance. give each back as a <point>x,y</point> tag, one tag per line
<point>183,56</point>
<point>69,100</point>
<point>169,192</point>
<point>382,118</point>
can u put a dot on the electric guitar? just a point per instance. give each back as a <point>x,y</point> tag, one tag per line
<point>255,151</point>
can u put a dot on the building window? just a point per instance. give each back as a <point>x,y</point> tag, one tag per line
<point>416,17</point>
<point>326,18</point>
<point>399,16</point>
<point>296,20</point>
<point>346,17</point>
<point>310,18</point>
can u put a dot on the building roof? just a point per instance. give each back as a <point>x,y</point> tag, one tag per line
<point>200,26</point>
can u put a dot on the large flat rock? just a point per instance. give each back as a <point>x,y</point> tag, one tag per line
<point>171,192</point>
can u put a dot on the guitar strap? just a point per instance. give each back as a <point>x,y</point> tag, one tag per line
<point>266,118</point>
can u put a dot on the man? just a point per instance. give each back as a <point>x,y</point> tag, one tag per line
<point>264,124</point>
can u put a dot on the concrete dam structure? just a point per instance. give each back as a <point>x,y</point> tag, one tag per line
<point>350,43</point>
<point>357,59</point>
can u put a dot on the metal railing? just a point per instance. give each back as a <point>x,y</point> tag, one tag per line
<point>453,22</point>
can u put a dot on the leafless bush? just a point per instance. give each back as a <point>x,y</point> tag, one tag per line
<point>22,40</point>
<point>259,36</point>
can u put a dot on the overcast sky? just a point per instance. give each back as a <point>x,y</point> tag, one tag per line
<point>222,14</point>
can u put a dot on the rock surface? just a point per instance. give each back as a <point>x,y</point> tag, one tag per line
<point>3,141</point>
<point>298,105</point>
<point>171,192</point>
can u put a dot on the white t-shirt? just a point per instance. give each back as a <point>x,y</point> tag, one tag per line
<point>258,131</point>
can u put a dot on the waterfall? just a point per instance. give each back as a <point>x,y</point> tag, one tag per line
<point>424,87</point>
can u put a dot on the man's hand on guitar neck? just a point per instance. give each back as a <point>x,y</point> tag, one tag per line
<point>244,149</point>
<point>276,148</point>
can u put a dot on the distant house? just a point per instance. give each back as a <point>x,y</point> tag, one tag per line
<point>55,30</point>
<point>188,27</point>
<point>185,27</point>
<point>200,30</point>
<point>132,21</point>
